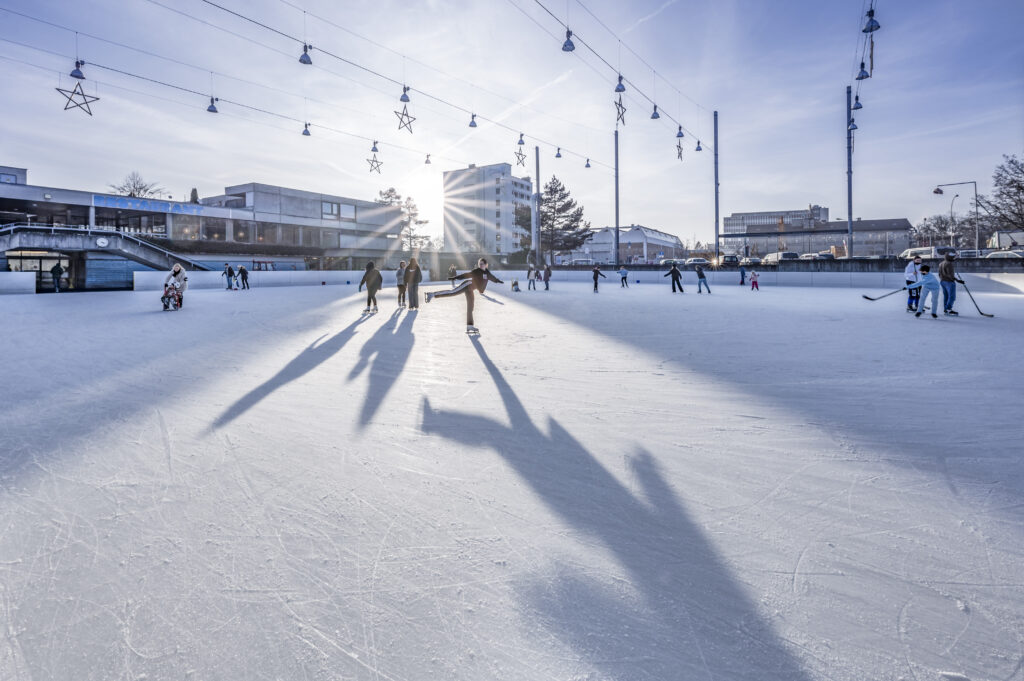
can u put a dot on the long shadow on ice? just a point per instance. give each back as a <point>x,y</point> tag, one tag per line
<point>386,352</point>
<point>313,356</point>
<point>685,618</point>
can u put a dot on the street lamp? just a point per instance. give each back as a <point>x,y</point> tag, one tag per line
<point>952,224</point>
<point>977,220</point>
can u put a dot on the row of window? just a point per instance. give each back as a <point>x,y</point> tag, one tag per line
<point>331,210</point>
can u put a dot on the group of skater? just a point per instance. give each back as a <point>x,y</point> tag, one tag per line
<point>921,284</point>
<point>408,277</point>
<point>236,279</point>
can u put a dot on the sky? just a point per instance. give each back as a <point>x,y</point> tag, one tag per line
<point>945,103</point>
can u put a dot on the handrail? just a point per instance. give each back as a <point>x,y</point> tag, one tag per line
<point>24,226</point>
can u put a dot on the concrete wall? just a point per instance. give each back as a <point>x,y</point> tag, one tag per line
<point>17,282</point>
<point>981,282</point>
<point>154,281</point>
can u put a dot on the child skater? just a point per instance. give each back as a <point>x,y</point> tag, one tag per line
<point>929,285</point>
<point>373,282</point>
<point>476,280</point>
<point>753,281</point>
<point>597,273</point>
<point>624,273</point>
<point>400,278</point>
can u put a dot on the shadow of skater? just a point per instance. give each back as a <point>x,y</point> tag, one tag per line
<point>693,620</point>
<point>310,358</point>
<point>389,349</point>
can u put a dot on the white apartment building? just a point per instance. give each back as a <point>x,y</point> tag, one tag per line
<point>479,209</point>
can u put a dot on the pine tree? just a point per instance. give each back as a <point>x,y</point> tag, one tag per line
<point>412,239</point>
<point>561,220</point>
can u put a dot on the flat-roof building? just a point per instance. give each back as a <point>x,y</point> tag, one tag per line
<point>480,209</point>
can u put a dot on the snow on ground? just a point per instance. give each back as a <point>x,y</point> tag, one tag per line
<point>795,484</point>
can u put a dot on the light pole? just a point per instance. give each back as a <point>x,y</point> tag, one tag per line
<point>977,221</point>
<point>952,224</point>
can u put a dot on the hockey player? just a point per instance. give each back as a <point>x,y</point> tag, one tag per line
<point>929,285</point>
<point>911,274</point>
<point>948,281</point>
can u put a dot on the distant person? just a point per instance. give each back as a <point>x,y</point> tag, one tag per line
<point>912,274</point>
<point>948,280</point>
<point>677,278</point>
<point>929,286</point>
<point>57,272</point>
<point>451,274</point>
<point>515,286</point>
<point>413,277</point>
<point>400,279</point>
<point>373,281</point>
<point>624,277</point>
<point>753,281</point>
<point>531,279</point>
<point>229,274</point>
<point>547,276</point>
<point>702,280</point>
<point>743,275</point>
<point>477,279</point>
<point>243,274</point>
<point>597,273</point>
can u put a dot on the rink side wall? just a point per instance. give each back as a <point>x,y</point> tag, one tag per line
<point>987,282</point>
<point>154,281</point>
<point>17,282</point>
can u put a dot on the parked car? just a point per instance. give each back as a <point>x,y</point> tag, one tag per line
<point>774,258</point>
<point>1004,255</point>
<point>927,252</point>
<point>697,261</point>
<point>750,260</point>
<point>728,260</point>
<point>671,261</point>
<point>825,256</point>
<point>808,256</point>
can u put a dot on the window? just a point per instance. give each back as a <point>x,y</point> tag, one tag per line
<point>497,213</point>
<point>330,210</point>
<point>7,178</point>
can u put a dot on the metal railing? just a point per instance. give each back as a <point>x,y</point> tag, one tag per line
<point>12,227</point>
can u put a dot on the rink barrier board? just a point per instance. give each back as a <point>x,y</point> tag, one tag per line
<point>17,282</point>
<point>154,281</point>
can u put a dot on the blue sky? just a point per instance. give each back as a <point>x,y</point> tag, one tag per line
<point>945,103</point>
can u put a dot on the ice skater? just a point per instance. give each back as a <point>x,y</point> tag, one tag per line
<point>597,273</point>
<point>948,281</point>
<point>178,282</point>
<point>929,286</point>
<point>677,278</point>
<point>229,274</point>
<point>373,281</point>
<point>547,276</point>
<point>911,275</point>
<point>413,277</point>
<point>515,286</point>
<point>531,279</point>
<point>475,280</point>
<point>702,280</point>
<point>753,281</point>
<point>743,275</point>
<point>243,274</point>
<point>624,274</point>
<point>400,280</point>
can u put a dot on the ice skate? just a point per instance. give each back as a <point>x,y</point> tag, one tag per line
<point>366,310</point>
<point>472,330</point>
<point>375,308</point>
<point>934,316</point>
<point>918,313</point>
<point>430,296</point>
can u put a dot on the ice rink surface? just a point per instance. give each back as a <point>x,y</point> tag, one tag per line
<point>789,485</point>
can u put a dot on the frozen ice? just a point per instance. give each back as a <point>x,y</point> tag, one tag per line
<point>791,484</point>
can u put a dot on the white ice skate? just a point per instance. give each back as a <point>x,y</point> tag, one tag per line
<point>472,330</point>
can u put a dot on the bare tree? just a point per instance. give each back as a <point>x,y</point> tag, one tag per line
<point>133,185</point>
<point>1006,203</point>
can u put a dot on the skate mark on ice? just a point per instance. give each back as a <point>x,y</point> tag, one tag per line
<point>681,621</point>
<point>165,438</point>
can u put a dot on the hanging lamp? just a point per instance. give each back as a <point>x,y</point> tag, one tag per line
<point>213,107</point>
<point>373,150</point>
<point>856,103</point>
<point>305,131</point>
<point>567,46</point>
<point>472,120</point>
<point>680,133</point>
<point>872,24</point>
<point>620,87</point>
<point>521,139</point>
<point>304,58</point>
<point>655,116</point>
<point>405,94</point>
<point>863,75</point>
<point>77,71</point>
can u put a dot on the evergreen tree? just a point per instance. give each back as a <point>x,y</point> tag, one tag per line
<point>194,197</point>
<point>562,226</point>
<point>411,238</point>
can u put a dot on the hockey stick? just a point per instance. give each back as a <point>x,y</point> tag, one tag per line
<point>885,296</point>
<point>983,314</point>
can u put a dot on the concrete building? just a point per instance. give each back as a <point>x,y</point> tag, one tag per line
<point>479,209</point>
<point>764,221</point>
<point>637,245</point>
<point>871,237</point>
<point>264,226</point>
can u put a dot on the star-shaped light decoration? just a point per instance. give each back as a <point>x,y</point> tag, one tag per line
<point>620,111</point>
<point>375,164</point>
<point>404,119</point>
<point>520,157</point>
<point>679,150</point>
<point>73,98</point>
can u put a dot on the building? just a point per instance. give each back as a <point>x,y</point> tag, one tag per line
<point>870,237</point>
<point>637,245</point>
<point>738,223</point>
<point>265,226</point>
<point>1006,240</point>
<point>480,209</point>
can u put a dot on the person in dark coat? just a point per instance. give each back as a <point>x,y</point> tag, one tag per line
<point>56,271</point>
<point>400,279</point>
<point>702,280</point>
<point>547,276</point>
<point>474,280</point>
<point>677,278</point>
<point>229,274</point>
<point>597,273</point>
<point>373,282</point>
<point>413,277</point>
<point>243,274</point>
